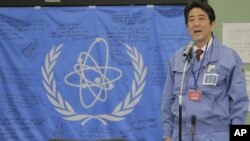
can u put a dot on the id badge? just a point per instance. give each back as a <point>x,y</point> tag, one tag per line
<point>194,95</point>
<point>210,79</point>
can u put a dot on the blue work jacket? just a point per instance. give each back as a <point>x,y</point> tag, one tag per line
<point>224,101</point>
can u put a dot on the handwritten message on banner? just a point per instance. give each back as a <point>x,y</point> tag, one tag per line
<point>85,73</point>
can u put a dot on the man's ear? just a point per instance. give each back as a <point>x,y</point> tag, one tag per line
<point>213,24</point>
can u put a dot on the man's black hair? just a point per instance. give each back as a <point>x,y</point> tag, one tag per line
<point>199,4</point>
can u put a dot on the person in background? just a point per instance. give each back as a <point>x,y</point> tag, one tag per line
<point>214,89</point>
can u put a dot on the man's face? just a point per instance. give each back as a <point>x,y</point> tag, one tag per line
<point>199,26</point>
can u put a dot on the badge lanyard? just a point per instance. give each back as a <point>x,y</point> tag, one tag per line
<point>194,76</point>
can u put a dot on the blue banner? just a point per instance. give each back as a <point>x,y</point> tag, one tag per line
<point>85,73</point>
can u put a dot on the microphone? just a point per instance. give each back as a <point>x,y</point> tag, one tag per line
<point>188,50</point>
<point>193,122</point>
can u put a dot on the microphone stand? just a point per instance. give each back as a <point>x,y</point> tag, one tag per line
<point>193,122</point>
<point>187,59</point>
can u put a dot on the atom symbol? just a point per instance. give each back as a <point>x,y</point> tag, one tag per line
<point>93,77</point>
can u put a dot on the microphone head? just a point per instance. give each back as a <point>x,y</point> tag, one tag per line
<point>189,47</point>
<point>192,43</point>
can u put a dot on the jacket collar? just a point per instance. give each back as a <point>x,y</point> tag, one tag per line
<point>212,55</point>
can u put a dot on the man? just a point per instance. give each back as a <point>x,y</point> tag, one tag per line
<point>214,88</point>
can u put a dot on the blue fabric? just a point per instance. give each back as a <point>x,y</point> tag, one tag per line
<point>85,72</point>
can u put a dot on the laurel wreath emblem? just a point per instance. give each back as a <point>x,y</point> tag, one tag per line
<point>120,111</point>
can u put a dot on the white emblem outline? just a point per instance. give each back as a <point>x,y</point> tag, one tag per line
<point>122,109</point>
<point>104,85</point>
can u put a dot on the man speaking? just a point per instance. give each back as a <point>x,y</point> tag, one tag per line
<point>213,92</point>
